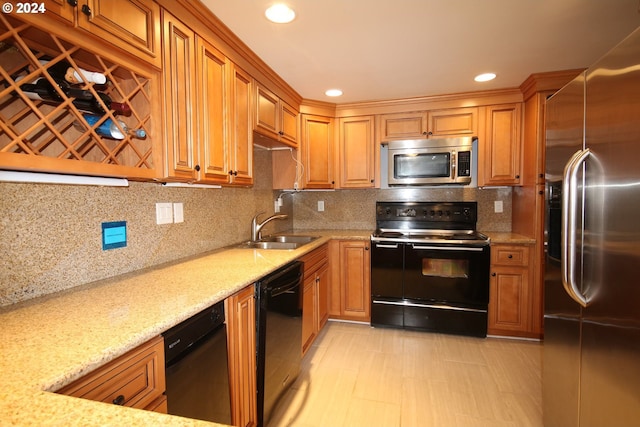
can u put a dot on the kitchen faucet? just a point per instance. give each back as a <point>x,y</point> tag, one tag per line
<point>256,227</point>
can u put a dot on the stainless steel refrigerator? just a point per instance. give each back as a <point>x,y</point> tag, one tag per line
<point>591,356</point>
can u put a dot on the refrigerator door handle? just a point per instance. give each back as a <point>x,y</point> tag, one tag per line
<point>569,216</point>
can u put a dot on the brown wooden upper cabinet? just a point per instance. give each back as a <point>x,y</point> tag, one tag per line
<point>207,111</point>
<point>60,136</point>
<point>500,145</point>
<point>445,123</point>
<point>317,149</point>
<point>274,118</point>
<point>126,24</point>
<point>357,152</point>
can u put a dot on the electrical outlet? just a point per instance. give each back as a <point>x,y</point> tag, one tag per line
<point>320,205</point>
<point>178,212</point>
<point>497,206</point>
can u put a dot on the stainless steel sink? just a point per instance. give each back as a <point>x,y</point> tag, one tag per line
<point>289,239</point>
<point>279,242</point>
<point>270,245</point>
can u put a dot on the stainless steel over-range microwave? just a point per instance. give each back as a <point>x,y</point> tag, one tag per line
<point>430,161</point>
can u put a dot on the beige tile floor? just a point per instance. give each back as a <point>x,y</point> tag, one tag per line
<point>355,375</point>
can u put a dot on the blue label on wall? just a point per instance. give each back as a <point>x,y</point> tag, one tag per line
<point>114,235</point>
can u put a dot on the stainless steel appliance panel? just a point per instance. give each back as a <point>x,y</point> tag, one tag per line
<point>600,254</point>
<point>430,161</point>
<point>561,370</point>
<point>610,382</point>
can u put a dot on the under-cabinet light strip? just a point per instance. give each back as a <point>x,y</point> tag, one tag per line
<point>54,178</point>
<point>187,185</point>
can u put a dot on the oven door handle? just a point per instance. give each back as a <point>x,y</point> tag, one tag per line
<point>448,248</point>
<point>386,245</point>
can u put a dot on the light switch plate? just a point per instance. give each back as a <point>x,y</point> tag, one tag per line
<point>178,212</point>
<point>320,205</point>
<point>497,206</point>
<point>164,213</point>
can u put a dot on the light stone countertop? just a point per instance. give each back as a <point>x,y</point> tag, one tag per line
<point>507,237</point>
<point>48,342</point>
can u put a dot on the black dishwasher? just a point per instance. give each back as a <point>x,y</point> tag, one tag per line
<point>279,335</point>
<point>196,367</point>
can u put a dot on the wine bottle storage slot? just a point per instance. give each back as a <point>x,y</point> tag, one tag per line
<point>49,97</point>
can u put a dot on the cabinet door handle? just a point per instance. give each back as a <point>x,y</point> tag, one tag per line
<point>86,10</point>
<point>119,400</point>
<point>493,274</point>
<point>73,3</point>
<point>197,168</point>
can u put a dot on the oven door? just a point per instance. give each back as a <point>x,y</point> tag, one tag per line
<point>387,262</point>
<point>456,276</point>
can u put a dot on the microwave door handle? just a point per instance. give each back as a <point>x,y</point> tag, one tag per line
<point>453,166</point>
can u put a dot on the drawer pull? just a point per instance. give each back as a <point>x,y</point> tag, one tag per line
<point>119,400</point>
<point>510,256</point>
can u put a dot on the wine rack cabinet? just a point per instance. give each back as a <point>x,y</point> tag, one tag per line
<point>47,136</point>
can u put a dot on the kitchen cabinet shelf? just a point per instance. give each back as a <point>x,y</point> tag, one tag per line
<point>54,136</point>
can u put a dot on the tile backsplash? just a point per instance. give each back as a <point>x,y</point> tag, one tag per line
<point>50,235</point>
<point>355,209</point>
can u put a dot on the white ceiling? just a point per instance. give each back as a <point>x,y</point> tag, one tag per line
<point>385,49</point>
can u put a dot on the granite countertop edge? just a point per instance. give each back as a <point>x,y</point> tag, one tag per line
<point>508,237</point>
<point>51,341</point>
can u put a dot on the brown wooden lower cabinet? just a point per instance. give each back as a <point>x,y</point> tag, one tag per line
<point>511,296</point>
<point>135,379</point>
<point>241,337</point>
<point>350,281</point>
<point>315,294</point>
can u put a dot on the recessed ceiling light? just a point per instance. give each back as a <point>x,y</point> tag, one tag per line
<point>280,13</point>
<point>333,92</point>
<point>484,77</point>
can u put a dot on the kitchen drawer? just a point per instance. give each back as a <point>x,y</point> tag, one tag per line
<point>135,379</point>
<point>315,259</point>
<point>516,255</point>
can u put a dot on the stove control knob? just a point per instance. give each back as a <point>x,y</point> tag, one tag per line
<point>448,213</point>
<point>432,213</point>
<point>466,212</point>
<point>439,213</point>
